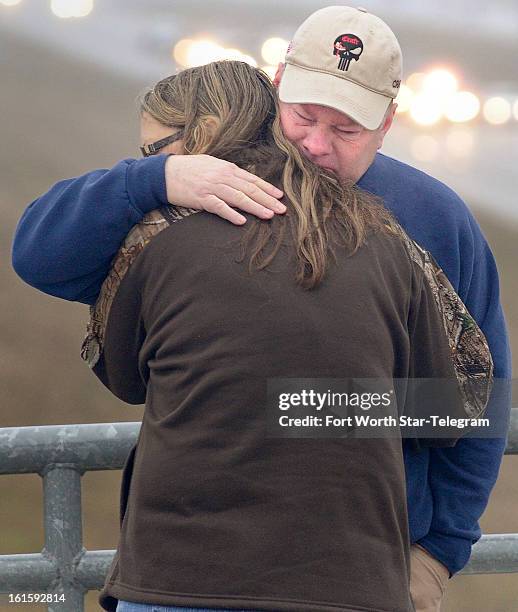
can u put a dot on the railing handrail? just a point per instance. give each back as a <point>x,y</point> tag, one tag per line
<point>29,449</point>
<point>61,454</point>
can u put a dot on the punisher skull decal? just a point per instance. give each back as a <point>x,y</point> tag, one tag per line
<point>348,47</point>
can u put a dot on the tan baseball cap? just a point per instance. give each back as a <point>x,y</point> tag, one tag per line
<point>344,58</point>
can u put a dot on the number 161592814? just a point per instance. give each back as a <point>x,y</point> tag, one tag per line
<point>36,597</point>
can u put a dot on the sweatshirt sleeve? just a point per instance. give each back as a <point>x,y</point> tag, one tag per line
<point>66,239</point>
<point>462,478</point>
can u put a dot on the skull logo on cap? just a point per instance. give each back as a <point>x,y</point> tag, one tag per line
<point>348,47</point>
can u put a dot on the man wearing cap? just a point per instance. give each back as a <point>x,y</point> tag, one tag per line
<point>341,74</point>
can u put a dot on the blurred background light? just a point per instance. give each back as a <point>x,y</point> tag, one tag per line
<point>189,53</point>
<point>515,110</point>
<point>71,8</point>
<point>181,51</point>
<point>461,106</point>
<point>274,50</point>
<point>425,148</point>
<point>202,52</point>
<point>460,142</point>
<point>270,71</point>
<point>415,81</point>
<point>10,2</point>
<point>425,109</point>
<point>404,98</point>
<point>440,82</point>
<point>497,110</point>
<point>236,54</point>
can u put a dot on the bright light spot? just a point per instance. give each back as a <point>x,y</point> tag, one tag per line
<point>415,81</point>
<point>404,98</point>
<point>462,106</point>
<point>497,110</point>
<point>270,71</point>
<point>203,52</point>
<point>425,148</point>
<point>515,110</point>
<point>237,55</point>
<point>249,60</point>
<point>10,2</point>
<point>71,8</point>
<point>440,82</point>
<point>181,51</point>
<point>425,110</point>
<point>274,50</point>
<point>190,53</point>
<point>460,142</point>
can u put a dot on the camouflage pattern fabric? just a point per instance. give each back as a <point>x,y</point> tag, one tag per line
<point>139,236</point>
<point>469,348</point>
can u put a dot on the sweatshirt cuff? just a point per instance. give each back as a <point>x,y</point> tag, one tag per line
<point>451,551</point>
<point>145,183</point>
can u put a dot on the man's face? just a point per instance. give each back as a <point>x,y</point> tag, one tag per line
<point>331,139</point>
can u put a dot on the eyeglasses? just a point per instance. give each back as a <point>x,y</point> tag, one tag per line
<point>154,147</point>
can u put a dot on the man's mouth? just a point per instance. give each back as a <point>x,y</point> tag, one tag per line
<point>324,166</point>
<point>313,160</point>
<point>328,168</point>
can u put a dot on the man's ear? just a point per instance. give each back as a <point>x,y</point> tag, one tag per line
<point>278,75</point>
<point>389,118</point>
<point>387,123</point>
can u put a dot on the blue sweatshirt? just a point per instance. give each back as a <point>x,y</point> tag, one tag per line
<point>67,238</point>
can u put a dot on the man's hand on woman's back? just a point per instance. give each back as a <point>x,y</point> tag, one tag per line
<point>217,186</point>
<point>67,238</point>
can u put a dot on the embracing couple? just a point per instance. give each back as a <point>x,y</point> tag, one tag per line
<point>319,263</point>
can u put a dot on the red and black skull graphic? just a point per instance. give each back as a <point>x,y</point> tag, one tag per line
<point>348,47</point>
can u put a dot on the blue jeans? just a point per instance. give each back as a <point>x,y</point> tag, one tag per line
<point>129,606</point>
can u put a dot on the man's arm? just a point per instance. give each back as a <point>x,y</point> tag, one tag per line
<point>67,238</point>
<point>462,477</point>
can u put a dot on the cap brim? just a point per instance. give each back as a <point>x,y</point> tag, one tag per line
<point>302,86</point>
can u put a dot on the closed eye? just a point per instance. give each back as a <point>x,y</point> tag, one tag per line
<point>304,118</point>
<point>349,133</point>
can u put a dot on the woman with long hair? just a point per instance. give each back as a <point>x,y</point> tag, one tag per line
<point>200,320</point>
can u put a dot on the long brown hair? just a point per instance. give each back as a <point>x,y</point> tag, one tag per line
<point>230,110</point>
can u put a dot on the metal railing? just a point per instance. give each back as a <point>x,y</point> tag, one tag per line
<point>61,454</point>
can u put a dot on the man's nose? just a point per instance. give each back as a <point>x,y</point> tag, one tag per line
<point>316,143</point>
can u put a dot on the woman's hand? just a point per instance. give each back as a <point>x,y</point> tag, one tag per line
<point>207,183</point>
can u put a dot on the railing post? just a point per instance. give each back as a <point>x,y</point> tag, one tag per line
<point>64,532</point>
<point>61,454</point>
